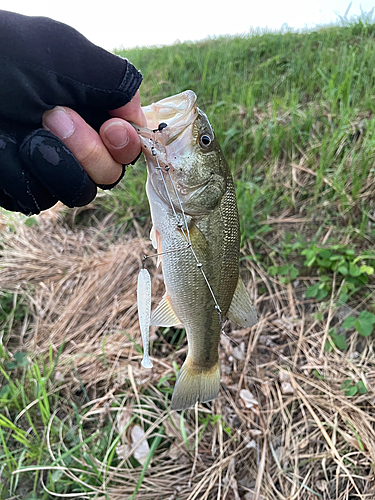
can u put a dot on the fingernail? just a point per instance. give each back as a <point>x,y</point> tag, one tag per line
<point>116,134</point>
<point>58,122</point>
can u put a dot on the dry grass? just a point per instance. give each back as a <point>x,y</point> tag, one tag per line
<point>296,436</point>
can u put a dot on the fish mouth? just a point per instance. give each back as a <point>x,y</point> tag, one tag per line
<point>168,120</point>
<point>174,110</point>
<point>167,138</point>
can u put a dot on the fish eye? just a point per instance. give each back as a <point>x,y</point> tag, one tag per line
<point>205,141</point>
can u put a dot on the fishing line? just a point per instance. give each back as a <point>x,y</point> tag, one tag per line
<point>179,224</point>
<point>179,201</point>
<point>162,253</point>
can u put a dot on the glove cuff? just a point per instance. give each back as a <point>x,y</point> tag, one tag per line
<point>130,83</point>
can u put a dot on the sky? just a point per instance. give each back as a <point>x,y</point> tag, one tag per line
<point>130,23</point>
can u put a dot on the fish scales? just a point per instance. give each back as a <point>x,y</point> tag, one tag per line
<point>219,259</point>
<point>188,156</point>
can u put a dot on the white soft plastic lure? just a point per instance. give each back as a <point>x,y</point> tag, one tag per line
<point>144,312</point>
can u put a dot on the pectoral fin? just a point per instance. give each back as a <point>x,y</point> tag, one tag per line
<point>241,309</point>
<point>153,237</point>
<point>199,242</point>
<point>164,315</point>
<point>156,243</point>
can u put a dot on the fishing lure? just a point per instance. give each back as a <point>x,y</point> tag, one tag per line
<point>144,313</point>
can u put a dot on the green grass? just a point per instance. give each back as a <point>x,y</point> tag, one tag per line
<point>48,437</point>
<point>295,115</point>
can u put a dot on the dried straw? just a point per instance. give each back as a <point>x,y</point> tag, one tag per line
<point>301,437</point>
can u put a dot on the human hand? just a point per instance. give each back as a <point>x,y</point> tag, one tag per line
<point>43,64</point>
<point>103,154</point>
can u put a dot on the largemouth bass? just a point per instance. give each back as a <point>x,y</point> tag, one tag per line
<point>197,236</point>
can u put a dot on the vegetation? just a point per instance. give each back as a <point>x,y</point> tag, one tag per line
<point>79,417</point>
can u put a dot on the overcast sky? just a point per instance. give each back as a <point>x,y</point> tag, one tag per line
<point>129,23</point>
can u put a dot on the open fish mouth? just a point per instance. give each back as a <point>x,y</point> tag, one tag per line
<point>174,110</point>
<point>168,120</point>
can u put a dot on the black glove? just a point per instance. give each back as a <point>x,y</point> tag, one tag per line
<point>44,63</point>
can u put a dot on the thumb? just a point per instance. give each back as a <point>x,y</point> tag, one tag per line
<point>85,143</point>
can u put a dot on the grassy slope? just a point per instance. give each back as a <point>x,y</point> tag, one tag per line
<point>277,100</point>
<point>295,116</point>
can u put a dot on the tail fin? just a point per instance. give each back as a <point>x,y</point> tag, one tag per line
<point>195,384</point>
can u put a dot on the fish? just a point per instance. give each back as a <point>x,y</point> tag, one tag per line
<point>196,234</point>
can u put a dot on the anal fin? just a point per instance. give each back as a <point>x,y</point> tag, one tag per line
<point>241,310</point>
<point>164,315</point>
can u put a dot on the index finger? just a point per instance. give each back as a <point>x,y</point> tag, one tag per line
<point>131,111</point>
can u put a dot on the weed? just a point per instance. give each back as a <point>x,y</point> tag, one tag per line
<point>351,270</point>
<point>364,324</point>
<point>351,388</point>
